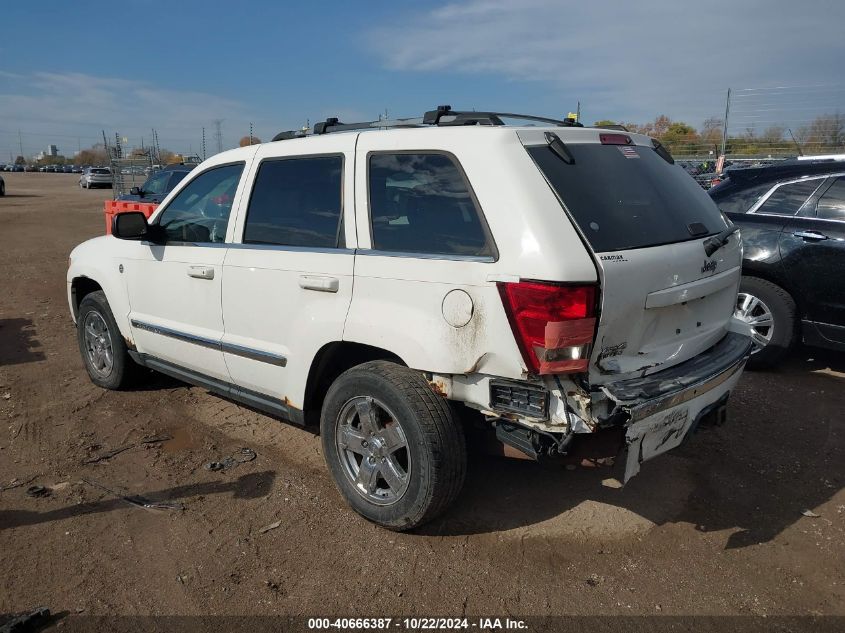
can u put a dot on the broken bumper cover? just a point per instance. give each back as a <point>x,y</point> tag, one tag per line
<point>663,408</point>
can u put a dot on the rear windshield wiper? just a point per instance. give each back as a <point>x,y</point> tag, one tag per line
<point>713,244</point>
<point>559,148</point>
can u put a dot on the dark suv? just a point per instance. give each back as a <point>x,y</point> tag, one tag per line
<point>158,185</point>
<point>792,217</point>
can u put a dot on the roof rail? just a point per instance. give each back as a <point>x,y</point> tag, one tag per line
<point>441,117</point>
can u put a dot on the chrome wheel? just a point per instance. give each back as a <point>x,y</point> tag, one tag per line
<point>759,316</point>
<point>373,450</point>
<point>98,344</point>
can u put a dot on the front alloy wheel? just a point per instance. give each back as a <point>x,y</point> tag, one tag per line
<point>98,344</point>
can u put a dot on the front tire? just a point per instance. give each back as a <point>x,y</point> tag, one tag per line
<point>771,313</point>
<point>393,447</point>
<point>104,352</point>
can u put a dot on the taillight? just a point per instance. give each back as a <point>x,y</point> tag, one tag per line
<point>553,325</point>
<point>615,139</point>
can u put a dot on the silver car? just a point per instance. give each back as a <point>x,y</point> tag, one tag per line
<point>96,177</point>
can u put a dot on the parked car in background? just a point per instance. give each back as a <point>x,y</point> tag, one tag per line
<point>543,281</point>
<point>68,169</point>
<point>792,218</point>
<point>157,186</point>
<point>31,168</point>
<point>96,177</point>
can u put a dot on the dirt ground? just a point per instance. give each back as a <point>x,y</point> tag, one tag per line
<point>748,519</point>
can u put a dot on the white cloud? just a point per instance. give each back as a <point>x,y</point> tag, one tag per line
<point>634,58</point>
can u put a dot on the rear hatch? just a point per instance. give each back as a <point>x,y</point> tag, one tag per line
<point>663,300</point>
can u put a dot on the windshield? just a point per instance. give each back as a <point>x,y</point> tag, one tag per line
<point>627,196</point>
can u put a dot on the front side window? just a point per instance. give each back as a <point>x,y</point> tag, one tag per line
<point>421,203</point>
<point>831,205</point>
<point>788,199</point>
<point>297,202</point>
<point>157,183</point>
<point>200,212</point>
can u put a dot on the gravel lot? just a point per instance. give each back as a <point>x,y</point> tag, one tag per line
<point>748,519</point>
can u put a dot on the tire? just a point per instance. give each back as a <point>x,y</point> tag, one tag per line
<point>773,341</point>
<point>433,457</point>
<point>95,318</point>
<point>2,188</point>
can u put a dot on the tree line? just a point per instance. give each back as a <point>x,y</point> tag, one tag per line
<point>825,134</point>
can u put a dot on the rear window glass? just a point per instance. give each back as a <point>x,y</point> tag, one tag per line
<point>732,200</point>
<point>787,199</point>
<point>100,171</point>
<point>627,196</point>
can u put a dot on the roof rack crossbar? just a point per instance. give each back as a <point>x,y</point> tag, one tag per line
<point>442,116</point>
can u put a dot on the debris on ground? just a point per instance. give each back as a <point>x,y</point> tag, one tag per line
<point>137,500</point>
<point>31,621</point>
<point>241,457</point>
<point>16,483</point>
<point>109,454</point>
<point>272,526</point>
<point>37,491</point>
<point>612,482</point>
<point>811,514</point>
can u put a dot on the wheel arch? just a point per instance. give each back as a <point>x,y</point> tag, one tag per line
<point>767,274</point>
<point>80,287</point>
<point>330,361</point>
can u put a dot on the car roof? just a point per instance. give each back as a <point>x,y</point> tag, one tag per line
<point>787,169</point>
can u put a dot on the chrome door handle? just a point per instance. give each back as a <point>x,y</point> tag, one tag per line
<point>813,236</point>
<point>321,284</point>
<point>201,272</point>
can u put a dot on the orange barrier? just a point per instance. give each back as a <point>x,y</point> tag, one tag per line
<point>113,207</point>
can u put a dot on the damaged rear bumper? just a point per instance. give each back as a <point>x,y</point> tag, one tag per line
<point>662,409</point>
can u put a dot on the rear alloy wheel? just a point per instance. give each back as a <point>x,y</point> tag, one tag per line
<point>394,450</point>
<point>770,312</point>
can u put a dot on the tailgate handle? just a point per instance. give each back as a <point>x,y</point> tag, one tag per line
<point>810,236</point>
<point>201,272</point>
<point>320,284</point>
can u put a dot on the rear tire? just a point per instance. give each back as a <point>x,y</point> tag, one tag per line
<point>104,352</point>
<point>369,411</point>
<point>762,302</point>
<point>2,188</point>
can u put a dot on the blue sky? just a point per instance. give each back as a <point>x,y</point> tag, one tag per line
<point>69,70</point>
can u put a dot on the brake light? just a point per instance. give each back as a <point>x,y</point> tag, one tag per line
<point>615,139</point>
<point>553,325</point>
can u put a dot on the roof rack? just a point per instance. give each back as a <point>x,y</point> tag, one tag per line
<point>441,117</point>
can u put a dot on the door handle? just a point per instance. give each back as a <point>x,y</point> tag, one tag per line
<point>201,272</point>
<point>811,236</point>
<point>321,284</point>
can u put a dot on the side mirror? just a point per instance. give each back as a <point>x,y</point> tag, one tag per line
<point>131,225</point>
<point>136,191</point>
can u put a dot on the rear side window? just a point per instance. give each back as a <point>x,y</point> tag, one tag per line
<point>831,205</point>
<point>787,199</point>
<point>297,202</point>
<point>421,203</point>
<point>626,197</point>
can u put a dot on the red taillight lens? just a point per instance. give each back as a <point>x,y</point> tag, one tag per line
<point>553,325</point>
<point>615,139</point>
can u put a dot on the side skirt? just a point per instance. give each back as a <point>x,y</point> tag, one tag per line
<point>262,402</point>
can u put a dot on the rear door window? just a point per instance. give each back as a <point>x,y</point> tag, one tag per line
<point>831,205</point>
<point>627,196</point>
<point>789,198</point>
<point>297,202</point>
<point>422,203</point>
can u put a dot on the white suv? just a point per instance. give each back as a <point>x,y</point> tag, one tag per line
<point>389,280</point>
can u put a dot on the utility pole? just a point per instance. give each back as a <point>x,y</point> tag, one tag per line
<point>725,126</point>
<point>250,133</point>
<point>218,134</point>
<point>203,143</point>
<point>20,141</point>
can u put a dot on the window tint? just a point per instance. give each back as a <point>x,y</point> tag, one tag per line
<point>787,199</point>
<point>832,204</point>
<point>200,212</point>
<point>627,196</point>
<point>297,202</point>
<point>738,201</point>
<point>421,203</point>
<point>175,178</point>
